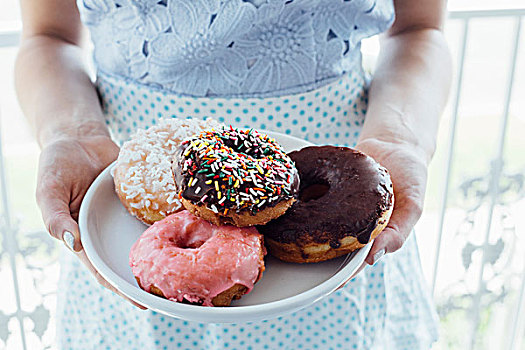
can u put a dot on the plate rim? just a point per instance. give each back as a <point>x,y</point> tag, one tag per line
<point>226,314</point>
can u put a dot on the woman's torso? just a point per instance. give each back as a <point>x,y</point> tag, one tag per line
<point>232,47</point>
<point>283,65</point>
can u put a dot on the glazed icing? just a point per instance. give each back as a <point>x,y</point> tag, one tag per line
<point>189,259</point>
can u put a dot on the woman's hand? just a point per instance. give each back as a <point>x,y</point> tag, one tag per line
<point>67,167</point>
<point>408,170</point>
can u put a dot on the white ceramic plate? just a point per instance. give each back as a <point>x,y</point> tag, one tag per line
<point>108,231</point>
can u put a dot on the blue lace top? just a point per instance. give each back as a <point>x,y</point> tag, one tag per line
<point>232,47</point>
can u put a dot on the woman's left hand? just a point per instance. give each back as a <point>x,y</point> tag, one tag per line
<point>408,169</point>
<point>406,97</point>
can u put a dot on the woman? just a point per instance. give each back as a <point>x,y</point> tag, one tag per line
<point>254,57</point>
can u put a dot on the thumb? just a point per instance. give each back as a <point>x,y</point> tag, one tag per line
<point>57,218</point>
<point>388,241</point>
<point>405,215</point>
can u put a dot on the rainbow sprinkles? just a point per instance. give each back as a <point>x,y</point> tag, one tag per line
<point>235,169</point>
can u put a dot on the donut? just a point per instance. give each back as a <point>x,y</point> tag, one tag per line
<point>344,201</point>
<point>234,176</point>
<point>142,173</point>
<point>184,258</point>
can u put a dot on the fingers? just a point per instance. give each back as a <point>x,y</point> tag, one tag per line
<point>61,225</point>
<point>57,217</point>
<point>392,238</point>
<point>388,241</point>
<point>53,199</point>
<point>83,257</point>
<point>405,215</point>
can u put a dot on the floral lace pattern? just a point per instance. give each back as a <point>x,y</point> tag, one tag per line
<point>232,47</point>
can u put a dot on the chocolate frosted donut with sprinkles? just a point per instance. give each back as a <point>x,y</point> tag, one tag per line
<point>235,176</point>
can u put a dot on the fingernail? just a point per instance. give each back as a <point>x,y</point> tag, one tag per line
<point>69,240</point>
<point>379,255</point>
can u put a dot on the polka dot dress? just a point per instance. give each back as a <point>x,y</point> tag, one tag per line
<point>333,114</point>
<point>387,306</point>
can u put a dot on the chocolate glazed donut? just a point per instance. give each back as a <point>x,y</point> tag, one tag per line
<point>345,200</point>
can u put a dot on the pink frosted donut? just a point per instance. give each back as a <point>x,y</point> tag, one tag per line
<point>187,259</point>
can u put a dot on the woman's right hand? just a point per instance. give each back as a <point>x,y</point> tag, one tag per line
<point>67,167</point>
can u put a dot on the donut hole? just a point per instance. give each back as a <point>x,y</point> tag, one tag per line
<point>313,192</point>
<point>187,243</point>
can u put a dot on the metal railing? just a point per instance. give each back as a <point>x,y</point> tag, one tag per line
<point>497,164</point>
<point>10,243</point>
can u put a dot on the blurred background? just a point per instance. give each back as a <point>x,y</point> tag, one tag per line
<point>471,235</point>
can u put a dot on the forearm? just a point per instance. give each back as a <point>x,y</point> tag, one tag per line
<point>55,91</point>
<point>409,91</point>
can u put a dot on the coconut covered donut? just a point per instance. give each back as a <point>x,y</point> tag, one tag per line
<point>233,176</point>
<point>345,200</point>
<point>142,173</point>
<point>186,259</point>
